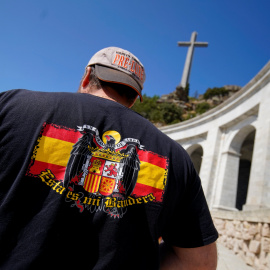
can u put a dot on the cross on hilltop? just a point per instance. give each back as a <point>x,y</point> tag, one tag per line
<point>191,44</point>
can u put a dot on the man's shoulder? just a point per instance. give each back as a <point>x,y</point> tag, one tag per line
<point>9,95</point>
<point>34,94</point>
<point>24,98</point>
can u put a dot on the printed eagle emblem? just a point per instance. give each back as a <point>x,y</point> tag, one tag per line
<point>106,166</point>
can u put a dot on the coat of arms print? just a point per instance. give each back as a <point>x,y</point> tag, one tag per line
<point>98,173</point>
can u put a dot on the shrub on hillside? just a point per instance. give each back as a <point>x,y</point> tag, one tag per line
<point>164,113</point>
<point>171,113</point>
<point>216,91</point>
<point>202,107</point>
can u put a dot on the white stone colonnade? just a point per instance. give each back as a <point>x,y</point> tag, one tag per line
<point>230,147</point>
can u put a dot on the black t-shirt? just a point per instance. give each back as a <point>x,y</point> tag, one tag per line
<point>86,183</point>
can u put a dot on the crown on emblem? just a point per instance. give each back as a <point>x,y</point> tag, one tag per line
<point>108,155</point>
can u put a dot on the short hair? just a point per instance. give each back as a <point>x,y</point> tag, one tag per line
<point>94,80</point>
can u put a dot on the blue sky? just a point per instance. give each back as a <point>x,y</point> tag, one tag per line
<point>45,45</point>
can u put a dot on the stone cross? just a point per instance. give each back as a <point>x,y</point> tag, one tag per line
<point>191,44</point>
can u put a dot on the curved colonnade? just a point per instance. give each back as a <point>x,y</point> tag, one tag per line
<point>230,147</point>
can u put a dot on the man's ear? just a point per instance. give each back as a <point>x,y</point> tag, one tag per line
<point>86,78</point>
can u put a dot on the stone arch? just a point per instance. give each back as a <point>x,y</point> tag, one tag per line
<point>238,139</point>
<point>196,153</point>
<point>236,164</point>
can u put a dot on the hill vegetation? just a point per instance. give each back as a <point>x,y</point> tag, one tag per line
<point>167,111</point>
<point>216,91</point>
<point>162,113</point>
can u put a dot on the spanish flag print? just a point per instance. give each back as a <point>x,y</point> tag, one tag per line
<point>52,151</point>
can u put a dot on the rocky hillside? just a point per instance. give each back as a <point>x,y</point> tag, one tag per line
<point>178,106</point>
<point>192,106</point>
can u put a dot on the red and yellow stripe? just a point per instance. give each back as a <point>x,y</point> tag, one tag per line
<point>91,183</point>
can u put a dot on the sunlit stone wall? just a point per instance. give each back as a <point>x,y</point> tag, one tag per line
<point>247,233</point>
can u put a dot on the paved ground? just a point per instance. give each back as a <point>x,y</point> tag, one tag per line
<point>227,260</point>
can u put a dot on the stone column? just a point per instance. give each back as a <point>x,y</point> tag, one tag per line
<point>227,179</point>
<point>259,181</point>
<point>209,162</point>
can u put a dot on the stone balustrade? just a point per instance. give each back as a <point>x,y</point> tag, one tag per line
<point>247,233</point>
